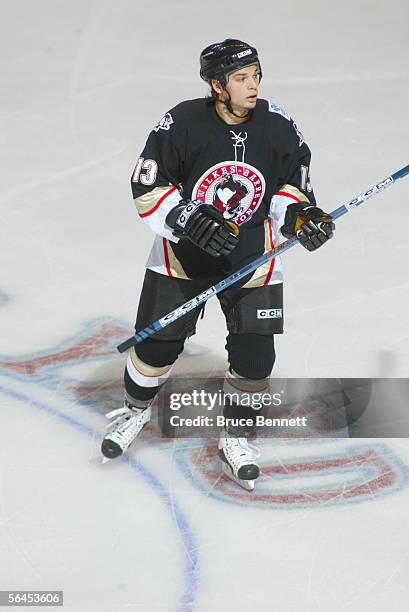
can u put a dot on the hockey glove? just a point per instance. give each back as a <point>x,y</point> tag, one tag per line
<point>311,225</point>
<point>205,226</point>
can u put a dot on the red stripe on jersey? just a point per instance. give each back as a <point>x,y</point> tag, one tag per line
<point>152,210</point>
<point>165,248</point>
<point>287,195</point>
<point>273,260</point>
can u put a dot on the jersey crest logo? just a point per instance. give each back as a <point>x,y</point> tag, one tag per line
<point>234,189</point>
<point>164,123</point>
<point>300,136</point>
<point>274,108</point>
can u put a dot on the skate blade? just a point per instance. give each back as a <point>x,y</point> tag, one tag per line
<point>105,460</point>
<point>248,485</point>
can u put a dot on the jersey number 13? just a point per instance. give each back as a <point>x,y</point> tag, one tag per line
<point>145,172</point>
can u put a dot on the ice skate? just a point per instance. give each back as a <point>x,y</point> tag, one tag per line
<point>239,460</point>
<point>129,422</point>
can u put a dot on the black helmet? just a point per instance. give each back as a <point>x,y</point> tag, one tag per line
<point>217,60</point>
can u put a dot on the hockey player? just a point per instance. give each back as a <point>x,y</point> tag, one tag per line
<point>220,181</point>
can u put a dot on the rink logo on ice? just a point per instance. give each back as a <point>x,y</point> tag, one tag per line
<point>297,475</point>
<point>335,476</point>
<point>270,313</point>
<point>164,123</point>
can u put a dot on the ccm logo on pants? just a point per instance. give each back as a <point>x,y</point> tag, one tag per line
<point>273,313</point>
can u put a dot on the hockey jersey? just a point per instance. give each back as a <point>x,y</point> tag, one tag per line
<point>249,172</point>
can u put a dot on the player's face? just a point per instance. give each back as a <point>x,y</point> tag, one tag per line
<point>242,86</point>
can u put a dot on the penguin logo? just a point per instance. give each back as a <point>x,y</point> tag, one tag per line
<point>236,190</point>
<point>228,195</point>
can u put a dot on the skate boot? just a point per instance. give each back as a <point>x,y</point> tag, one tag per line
<point>239,460</point>
<point>121,432</point>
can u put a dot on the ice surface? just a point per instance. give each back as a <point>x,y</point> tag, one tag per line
<point>82,83</point>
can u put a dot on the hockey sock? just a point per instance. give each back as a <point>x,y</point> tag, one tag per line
<point>242,403</point>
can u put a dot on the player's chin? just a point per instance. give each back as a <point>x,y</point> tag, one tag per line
<point>251,102</point>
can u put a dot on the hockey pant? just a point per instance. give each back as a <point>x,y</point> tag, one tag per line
<point>252,316</point>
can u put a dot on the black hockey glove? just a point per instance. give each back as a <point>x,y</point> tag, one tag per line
<point>205,226</point>
<point>311,225</point>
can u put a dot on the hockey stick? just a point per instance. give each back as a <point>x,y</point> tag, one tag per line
<point>236,276</point>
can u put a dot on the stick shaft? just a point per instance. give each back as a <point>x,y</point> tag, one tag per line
<point>242,272</point>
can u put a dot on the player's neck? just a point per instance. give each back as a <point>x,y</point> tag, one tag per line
<point>226,115</point>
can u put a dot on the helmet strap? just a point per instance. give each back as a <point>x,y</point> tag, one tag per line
<point>230,108</point>
<point>223,82</point>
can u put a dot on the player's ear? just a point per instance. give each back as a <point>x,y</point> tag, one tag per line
<point>216,86</point>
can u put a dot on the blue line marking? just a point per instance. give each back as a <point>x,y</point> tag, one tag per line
<point>190,590</point>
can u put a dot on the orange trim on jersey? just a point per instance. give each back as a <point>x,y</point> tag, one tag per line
<point>152,210</point>
<point>288,195</point>
<point>273,260</point>
<point>165,249</point>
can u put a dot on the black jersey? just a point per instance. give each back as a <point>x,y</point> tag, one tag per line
<point>249,172</point>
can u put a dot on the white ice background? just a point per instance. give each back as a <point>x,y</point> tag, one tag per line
<point>82,84</point>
